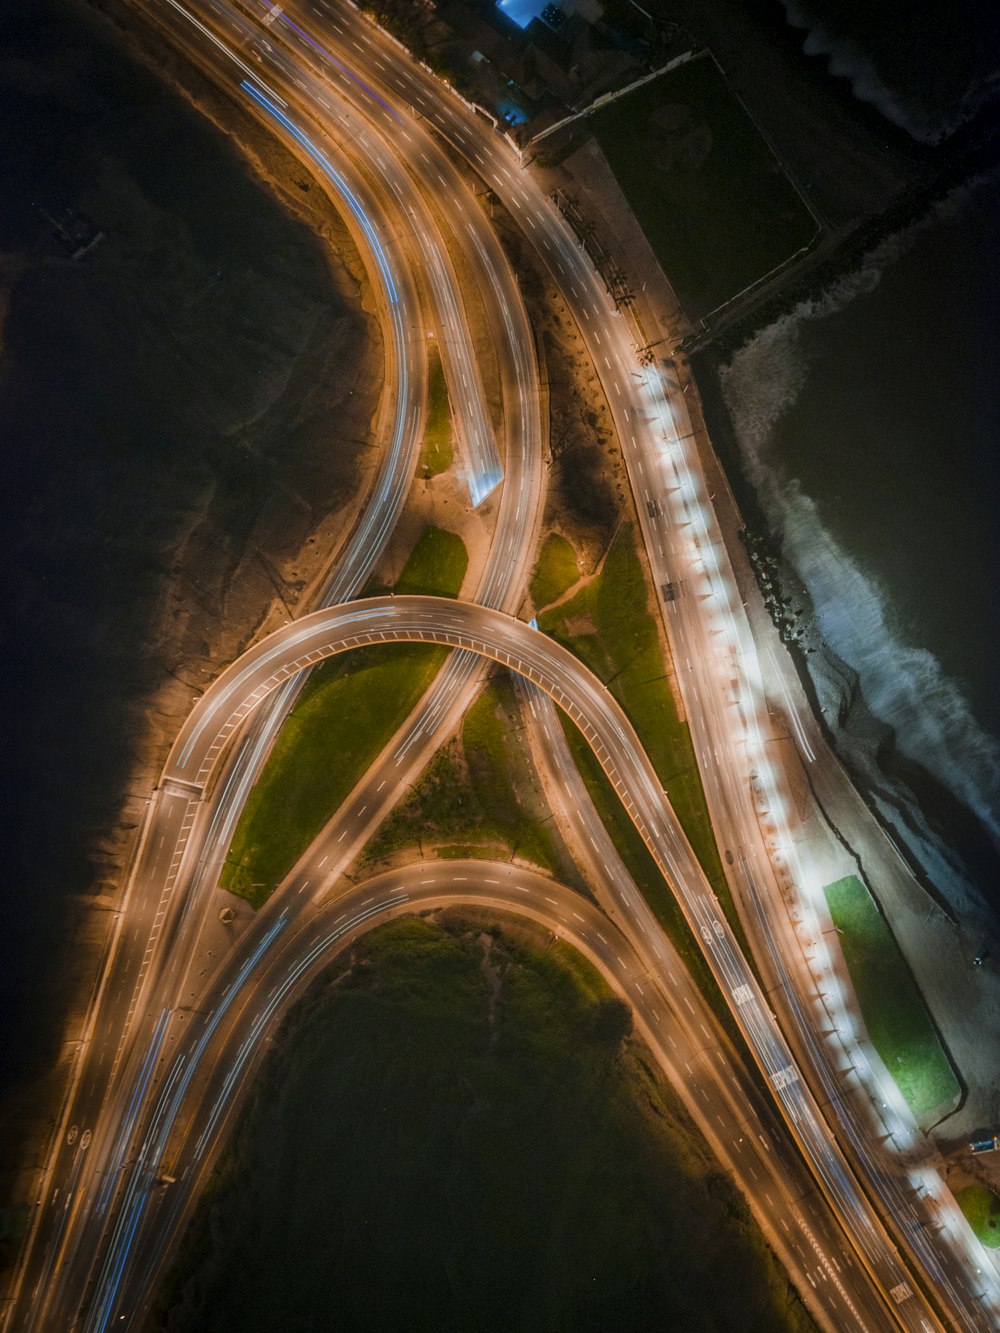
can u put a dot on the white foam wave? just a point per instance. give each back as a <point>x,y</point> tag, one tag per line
<point>846,59</point>
<point>765,375</point>
<point>902,683</point>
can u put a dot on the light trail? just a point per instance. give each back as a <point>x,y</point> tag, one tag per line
<point>707,561</point>
<point>332,174</point>
<point>506,561</point>
<point>611,737</point>
<point>227,51</point>
<point>474,433</point>
<point>147,1160</point>
<point>331,59</point>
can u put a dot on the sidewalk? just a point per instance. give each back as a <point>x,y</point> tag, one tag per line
<point>836,823</point>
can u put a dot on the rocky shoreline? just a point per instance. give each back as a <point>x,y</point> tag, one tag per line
<point>923,821</point>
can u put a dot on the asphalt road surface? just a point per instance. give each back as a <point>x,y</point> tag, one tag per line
<point>106,1223</point>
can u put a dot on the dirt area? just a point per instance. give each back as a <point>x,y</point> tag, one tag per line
<point>218,472</point>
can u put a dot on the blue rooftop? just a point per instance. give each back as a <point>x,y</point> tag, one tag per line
<point>521,12</point>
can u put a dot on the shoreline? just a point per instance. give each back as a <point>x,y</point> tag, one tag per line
<point>862,741</point>
<point>847,816</point>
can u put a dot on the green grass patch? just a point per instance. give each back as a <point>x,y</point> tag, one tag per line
<point>436,565</point>
<point>891,1004</point>
<point>455,1131</point>
<point>436,451</point>
<point>345,715</point>
<point>458,851</point>
<point>501,775</point>
<point>610,626</point>
<point>982,1212</point>
<point>480,794</point>
<point>439,808</point>
<point>708,192</point>
<point>646,873</point>
<point>556,571</point>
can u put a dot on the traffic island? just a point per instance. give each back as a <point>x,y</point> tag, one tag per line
<point>347,712</point>
<point>479,797</point>
<point>436,451</point>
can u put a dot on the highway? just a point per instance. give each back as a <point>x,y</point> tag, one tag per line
<point>240,689</point>
<point>355,108</point>
<point>162,922</point>
<point>733,1115</point>
<point>245,684</point>
<point>720,673</point>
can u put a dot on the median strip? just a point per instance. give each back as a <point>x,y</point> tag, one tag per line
<point>609,625</point>
<point>348,711</point>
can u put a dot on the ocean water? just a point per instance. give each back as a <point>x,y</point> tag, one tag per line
<point>928,68</point>
<point>869,425</point>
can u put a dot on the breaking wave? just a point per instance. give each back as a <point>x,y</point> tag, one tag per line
<point>903,684</point>
<point>765,375</point>
<point>913,113</point>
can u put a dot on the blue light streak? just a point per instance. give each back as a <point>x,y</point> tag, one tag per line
<point>332,174</point>
<point>481,484</point>
<point>283,18</point>
<point>161,1122</point>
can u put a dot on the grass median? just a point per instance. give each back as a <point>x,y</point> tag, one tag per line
<point>891,1005</point>
<point>480,797</point>
<point>556,571</point>
<point>456,1131</point>
<point>347,712</point>
<point>610,627</point>
<point>436,451</point>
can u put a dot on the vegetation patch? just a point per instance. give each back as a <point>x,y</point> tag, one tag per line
<point>556,571</point>
<point>640,865</point>
<point>456,1131</point>
<point>345,715</point>
<point>982,1212</point>
<point>457,851</point>
<point>436,452</point>
<point>708,192</point>
<point>610,626</point>
<point>480,794</point>
<point>436,565</point>
<point>890,1002</point>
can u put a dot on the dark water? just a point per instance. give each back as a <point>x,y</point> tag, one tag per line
<point>897,437</point>
<point>869,421</point>
<point>928,68</point>
<point>141,425</point>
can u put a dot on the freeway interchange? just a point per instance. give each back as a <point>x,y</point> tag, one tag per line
<point>167,1052</point>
